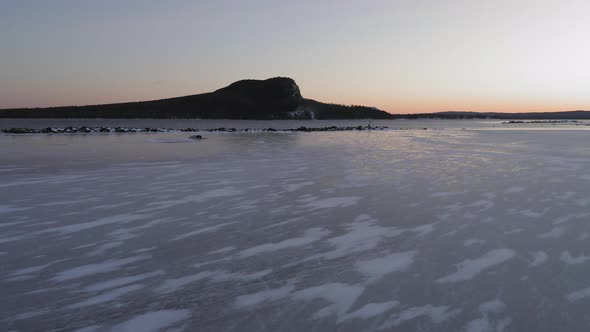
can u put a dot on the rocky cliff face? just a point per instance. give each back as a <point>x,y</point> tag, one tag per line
<point>274,98</point>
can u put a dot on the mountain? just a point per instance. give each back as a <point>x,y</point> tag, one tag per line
<point>274,98</point>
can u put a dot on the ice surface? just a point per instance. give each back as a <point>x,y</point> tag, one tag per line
<point>471,242</point>
<point>492,318</point>
<point>153,321</point>
<point>363,234</point>
<point>91,269</point>
<point>493,306</point>
<point>579,294</point>
<point>12,209</point>
<point>437,314</point>
<point>105,297</point>
<point>377,268</point>
<point>333,202</point>
<point>340,296</point>
<point>211,194</point>
<point>117,282</point>
<point>429,230</point>
<point>296,186</point>
<point>172,285</point>
<point>470,268</point>
<point>479,325</point>
<point>263,296</point>
<point>311,235</point>
<point>555,232</point>
<point>93,328</point>
<point>371,310</point>
<point>124,218</point>
<point>539,258</point>
<point>202,230</point>
<point>568,258</point>
<point>222,250</point>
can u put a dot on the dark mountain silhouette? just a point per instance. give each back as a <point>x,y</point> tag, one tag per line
<point>275,98</point>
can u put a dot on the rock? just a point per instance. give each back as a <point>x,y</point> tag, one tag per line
<point>196,137</point>
<point>17,131</point>
<point>48,130</point>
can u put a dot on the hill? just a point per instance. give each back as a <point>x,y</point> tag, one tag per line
<point>274,98</point>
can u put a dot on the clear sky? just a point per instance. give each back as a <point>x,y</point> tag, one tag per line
<point>402,56</point>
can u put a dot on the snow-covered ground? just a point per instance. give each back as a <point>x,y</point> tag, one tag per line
<point>436,230</point>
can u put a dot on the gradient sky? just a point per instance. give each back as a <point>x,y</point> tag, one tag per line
<point>401,56</point>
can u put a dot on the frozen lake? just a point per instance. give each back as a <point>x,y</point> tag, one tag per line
<point>474,226</point>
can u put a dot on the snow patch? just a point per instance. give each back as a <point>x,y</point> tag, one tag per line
<point>91,269</point>
<point>567,258</point>
<point>437,314</point>
<point>376,268</point>
<point>553,233</point>
<point>153,321</point>
<point>121,218</point>
<point>106,297</point>
<point>471,242</point>
<point>263,296</point>
<point>117,282</point>
<point>311,235</point>
<point>333,202</point>
<point>468,269</point>
<point>341,297</point>
<point>222,250</point>
<point>539,258</point>
<point>371,310</point>
<point>579,295</point>
<point>208,195</point>
<point>173,285</point>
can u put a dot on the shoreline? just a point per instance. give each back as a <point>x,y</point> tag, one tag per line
<point>130,130</point>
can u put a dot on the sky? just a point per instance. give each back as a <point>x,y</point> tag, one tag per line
<point>402,56</point>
